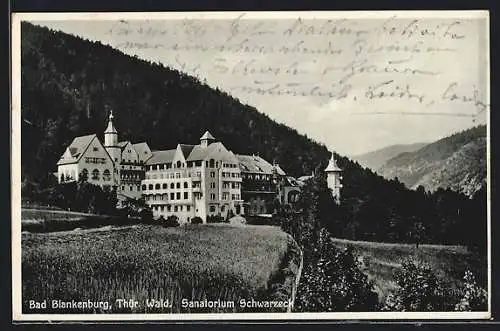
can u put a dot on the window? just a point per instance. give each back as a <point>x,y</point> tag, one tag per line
<point>150,186</point>
<point>169,207</point>
<point>164,186</point>
<point>212,174</point>
<point>171,185</point>
<point>131,188</point>
<point>176,208</point>
<point>185,195</point>
<point>178,185</point>
<point>223,208</point>
<point>212,196</point>
<point>172,196</point>
<point>95,174</point>
<point>162,166</point>
<point>157,186</point>
<point>212,209</point>
<point>177,175</point>
<point>181,207</point>
<point>84,174</point>
<point>185,185</point>
<point>161,208</point>
<point>212,163</point>
<point>178,164</point>
<point>178,195</point>
<point>188,208</point>
<point>144,187</point>
<point>123,188</point>
<point>212,185</point>
<point>138,187</point>
<point>96,149</point>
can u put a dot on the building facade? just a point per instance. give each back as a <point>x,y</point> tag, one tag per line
<point>201,180</point>
<point>112,165</point>
<point>194,181</point>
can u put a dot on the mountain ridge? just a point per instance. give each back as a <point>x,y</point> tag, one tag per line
<point>457,162</point>
<point>377,158</point>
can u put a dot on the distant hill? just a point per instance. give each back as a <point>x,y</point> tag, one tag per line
<point>457,162</point>
<point>376,159</point>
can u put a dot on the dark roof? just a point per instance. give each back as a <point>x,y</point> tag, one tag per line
<point>186,149</point>
<point>160,157</point>
<point>76,149</point>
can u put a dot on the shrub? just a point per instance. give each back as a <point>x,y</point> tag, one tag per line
<point>475,298</point>
<point>332,281</point>
<point>196,220</point>
<point>419,289</point>
<point>172,221</point>
<point>215,219</point>
<point>146,215</point>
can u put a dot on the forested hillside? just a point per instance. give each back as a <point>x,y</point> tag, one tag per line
<point>376,159</point>
<point>69,85</point>
<point>457,162</point>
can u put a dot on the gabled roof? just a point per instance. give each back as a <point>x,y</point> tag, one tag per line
<point>122,144</point>
<point>216,150</point>
<point>159,157</point>
<point>280,171</point>
<point>186,149</point>
<point>207,135</point>
<point>76,149</point>
<point>256,164</point>
<point>142,150</point>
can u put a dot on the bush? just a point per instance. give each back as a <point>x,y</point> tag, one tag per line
<point>419,289</point>
<point>332,281</point>
<point>172,221</point>
<point>196,220</point>
<point>215,219</point>
<point>146,216</point>
<point>475,298</point>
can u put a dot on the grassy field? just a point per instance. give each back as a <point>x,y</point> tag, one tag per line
<point>197,262</point>
<point>381,260</point>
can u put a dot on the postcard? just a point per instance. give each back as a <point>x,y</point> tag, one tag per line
<point>320,165</point>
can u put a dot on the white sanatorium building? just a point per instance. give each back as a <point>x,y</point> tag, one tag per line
<point>188,181</point>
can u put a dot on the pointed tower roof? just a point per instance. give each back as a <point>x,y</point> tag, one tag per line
<point>207,136</point>
<point>111,127</point>
<point>332,165</point>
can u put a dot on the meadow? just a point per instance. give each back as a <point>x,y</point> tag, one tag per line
<point>144,262</point>
<point>380,261</point>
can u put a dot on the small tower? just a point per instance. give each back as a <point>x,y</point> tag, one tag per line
<point>111,141</point>
<point>333,178</point>
<point>206,139</point>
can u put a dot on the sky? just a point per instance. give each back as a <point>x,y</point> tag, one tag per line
<point>354,82</point>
